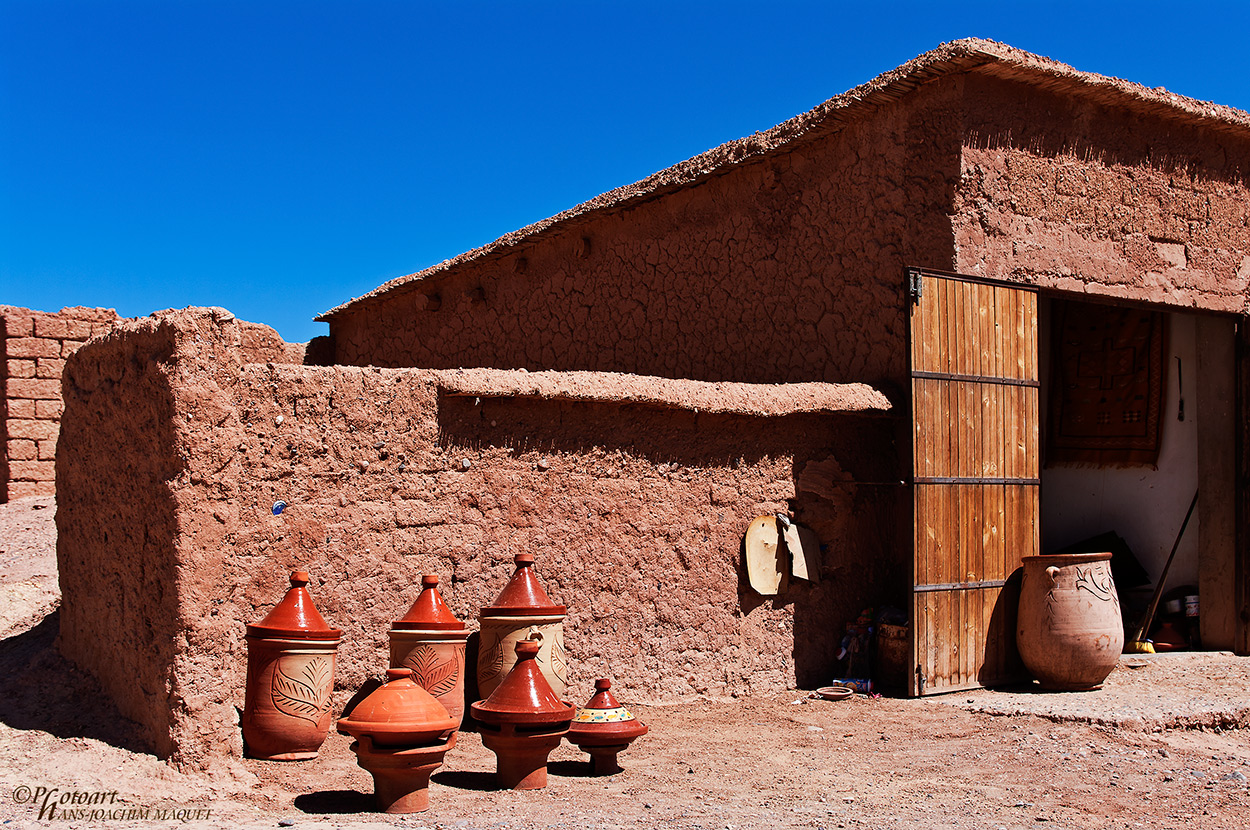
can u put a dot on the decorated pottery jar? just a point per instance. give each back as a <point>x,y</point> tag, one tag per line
<point>430,641</point>
<point>603,728</point>
<point>521,612</point>
<point>290,677</point>
<point>402,733</point>
<point>522,721</point>
<point>1069,630</point>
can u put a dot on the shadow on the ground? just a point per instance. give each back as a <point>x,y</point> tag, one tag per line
<point>480,781</point>
<point>335,802</point>
<point>570,769</point>
<point>41,690</point>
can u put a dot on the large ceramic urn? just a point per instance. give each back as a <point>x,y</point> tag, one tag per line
<point>522,721</point>
<point>290,677</point>
<point>1069,632</point>
<point>521,612</point>
<point>430,641</point>
<point>402,733</point>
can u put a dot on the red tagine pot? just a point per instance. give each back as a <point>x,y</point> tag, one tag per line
<point>522,721</point>
<point>430,641</point>
<point>290,677</point>
<point>402,733</point>
<point>522,611</point>
<point>603,728</point>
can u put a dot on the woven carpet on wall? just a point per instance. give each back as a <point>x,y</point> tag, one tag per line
<point>1106,387</point>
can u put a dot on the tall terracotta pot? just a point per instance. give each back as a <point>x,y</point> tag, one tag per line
<point>522,611</point>
<point>1070,632</point>
<point>430,641</point>
<point>290,677</point>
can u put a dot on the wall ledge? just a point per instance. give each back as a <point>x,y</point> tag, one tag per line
<point>760,399</point>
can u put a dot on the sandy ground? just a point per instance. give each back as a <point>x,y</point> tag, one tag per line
<point>1165,744</point>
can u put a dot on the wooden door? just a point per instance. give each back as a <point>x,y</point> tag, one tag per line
<point>974,395</point>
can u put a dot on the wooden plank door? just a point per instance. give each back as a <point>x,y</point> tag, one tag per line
<point>974,394</point>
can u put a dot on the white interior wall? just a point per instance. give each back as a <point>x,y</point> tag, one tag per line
<point>1145,506</point>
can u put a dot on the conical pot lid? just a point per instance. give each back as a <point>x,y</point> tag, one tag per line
<point>523,596</point>
<point>295,616</point>
<point>429,612</point>
<point>603,717</point>
<point>524,696</point>
<point>399,713</point>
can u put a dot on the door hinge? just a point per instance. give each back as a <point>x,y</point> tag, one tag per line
<point>915,285</point>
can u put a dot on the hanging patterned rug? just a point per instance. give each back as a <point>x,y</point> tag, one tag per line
<point>1106,395</point>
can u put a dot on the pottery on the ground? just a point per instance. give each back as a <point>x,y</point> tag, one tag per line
<point>603,728</point>
<point>402,733</point>
<point>1070,632</point>
<point>521,612</point>
<point>522,721</point>
<point>290,678</point>
<point>431,641</point>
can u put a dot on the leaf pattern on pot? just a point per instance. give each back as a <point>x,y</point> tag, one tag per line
<point>489,661</point>
<point>435,676</point>
<point>304,693</point>
<point>1102,589</point>
<point>560,660</point>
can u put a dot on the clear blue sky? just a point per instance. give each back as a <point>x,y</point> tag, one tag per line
<point>280,158</point>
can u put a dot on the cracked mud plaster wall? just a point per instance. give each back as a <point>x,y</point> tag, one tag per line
<point>788,269</point>
<point>636,515</point>
<point>1084,198</point>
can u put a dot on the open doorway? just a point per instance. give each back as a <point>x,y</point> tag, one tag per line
<point>1144,500</point>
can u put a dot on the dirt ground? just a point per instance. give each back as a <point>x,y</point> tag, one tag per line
<point>1165,744</point>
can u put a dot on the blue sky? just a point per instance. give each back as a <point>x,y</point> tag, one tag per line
<point>280,158</point>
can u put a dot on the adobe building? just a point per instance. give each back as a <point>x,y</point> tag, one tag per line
<point>945,320</point>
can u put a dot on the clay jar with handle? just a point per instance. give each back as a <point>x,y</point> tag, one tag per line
<point>402,733</point>
<point>603,728</point>
<point>290,677</point>
<point>521,612</point>
<point>1069,632</point>
<point>430,641</point>
<point>522,721</point>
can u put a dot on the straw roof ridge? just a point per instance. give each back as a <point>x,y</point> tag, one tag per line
<point>965,55</point>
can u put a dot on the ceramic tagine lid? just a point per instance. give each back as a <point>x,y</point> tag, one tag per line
<point>429,612</point>
<point>524,696</point>
<point>603,721</point>
<point>523,596</point>
<point>295,617</point>
<point>399,713</point>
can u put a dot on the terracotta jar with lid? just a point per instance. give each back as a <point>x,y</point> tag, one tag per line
<point>522,721</point>
<point>290,678</point>
<point>522,611</point>
<point>430,641</point>
<point>402,733</point>
<point>603,728</point>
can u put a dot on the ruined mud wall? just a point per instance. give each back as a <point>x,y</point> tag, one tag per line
<point>33,348</point>
<point>635,512</point>
<point>787,269</point>
<point>1085,198</point>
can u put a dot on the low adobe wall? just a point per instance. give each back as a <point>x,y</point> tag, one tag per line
<point>181,432</point>
<point>33,348</point>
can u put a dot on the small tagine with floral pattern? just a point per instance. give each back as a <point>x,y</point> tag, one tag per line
<point>431,641</point>
<point>522,721</point>
<point>402,733</point>
<point>603,728</point>
<point>522,611</point>
<point>290,677</point>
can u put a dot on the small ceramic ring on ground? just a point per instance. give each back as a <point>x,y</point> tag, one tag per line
<point>835,692</point>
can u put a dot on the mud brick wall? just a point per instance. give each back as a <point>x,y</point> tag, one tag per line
<point>782,270</point>
<point>636,514</point>
<point>33,349</point>
<point>1083,198</point>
